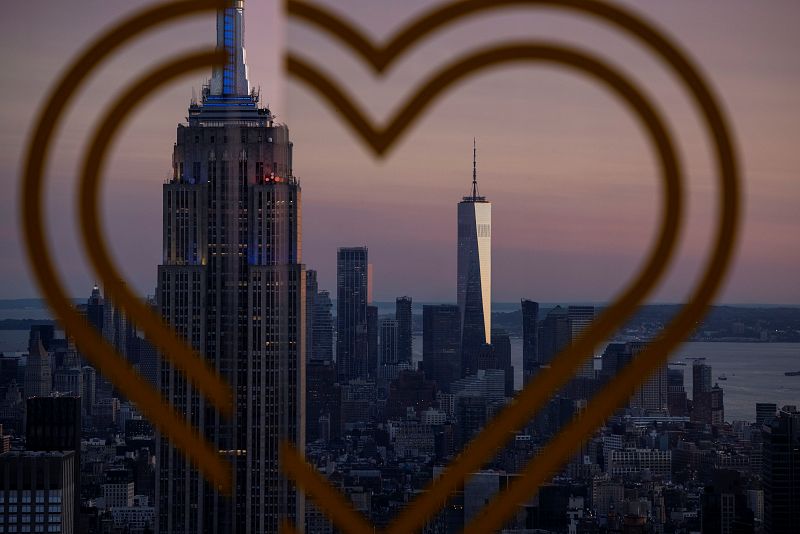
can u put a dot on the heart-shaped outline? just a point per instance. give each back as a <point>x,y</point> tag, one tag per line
<point>620,389</point>
<point>617,392</point>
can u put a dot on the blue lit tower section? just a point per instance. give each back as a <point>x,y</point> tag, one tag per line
<point>474,272</point>
<point>233,285</point>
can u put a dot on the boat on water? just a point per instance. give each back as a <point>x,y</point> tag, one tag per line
<point>722,377</point>
<point>792,373</point>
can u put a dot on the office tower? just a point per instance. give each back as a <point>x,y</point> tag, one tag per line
<point>351,312</point>
<point>389,342</point>
<point>404,319</point>
<point>232,284</point>
<point>474,272</point>
<point>701,391</point>
<point>372,340</point>
<point>501,347</point>
<point>765,411</point>
<point>651,396</point>
<point>441,344</point>
<point>580,318</point>
<point>312,288</point>
<point>88,388</point>
<point>322,336</point>
<point>37,370</point>
<point>676,393</point>
<point>95,309</point>
<point>780,474</point>
<point>530,339</point>
<point>38,481</point>
<point>555,334</point>
<point>54,424</point>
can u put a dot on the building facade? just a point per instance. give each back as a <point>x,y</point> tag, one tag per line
<point>233,286</point>
<point>404,319</point>
<point>474,284</point>
<point>352,282</point>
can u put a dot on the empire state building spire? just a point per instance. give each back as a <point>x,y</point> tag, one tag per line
<point>231,80</point>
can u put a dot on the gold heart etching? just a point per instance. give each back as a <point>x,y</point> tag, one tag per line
<point>380,140</point>
<point>535,394</point>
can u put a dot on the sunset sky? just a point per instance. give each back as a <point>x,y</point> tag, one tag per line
<point>573,181</point>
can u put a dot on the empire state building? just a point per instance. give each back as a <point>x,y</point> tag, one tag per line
<point>232,284</point>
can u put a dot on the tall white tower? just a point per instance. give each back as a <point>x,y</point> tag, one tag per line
<point>474,272</point>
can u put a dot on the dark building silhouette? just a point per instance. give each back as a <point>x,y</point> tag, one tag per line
<point>404,319</point>
<point>724,505</point>
<point>765,411</point>
<point>780,473</point>
<point>372,340</point>
<point>501,346</point>
<point>410,390</point>
<point>351,312</point>
<point>555,334</point>
<point>441,344</point>
<point>312,288</point>
<point>530,339</point>
<point>322,401</point>
<point>322,336</point>
<point>701,392</point>
<point>95,309</point>
<point>49,476</point>
<point>54,424</point>
<point>677,402</point>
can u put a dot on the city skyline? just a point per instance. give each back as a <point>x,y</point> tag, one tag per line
<point>546,159</point>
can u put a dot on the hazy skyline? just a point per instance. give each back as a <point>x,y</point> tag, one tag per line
<point>571,178</point>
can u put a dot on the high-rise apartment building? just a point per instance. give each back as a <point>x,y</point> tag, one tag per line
<point>441,344</point>
<point>780,473</point>
<point>530,339</point>
<point>404,319</point>
<point>232,284</point>
<point>352,281</point>
<point>474,273</point>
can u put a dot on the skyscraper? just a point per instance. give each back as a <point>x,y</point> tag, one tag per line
<point>530,338</point>
<point>232,284</point>
<point>580,317</point>
<point>474,272</point>
<point>389,342</point>
<point>781,471</point>
<point>404,320</point>
<point>701,391</point>
<point>351,312</point>
<point>441,344</point>
<point>322,336</point>
<point>555,334</point>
